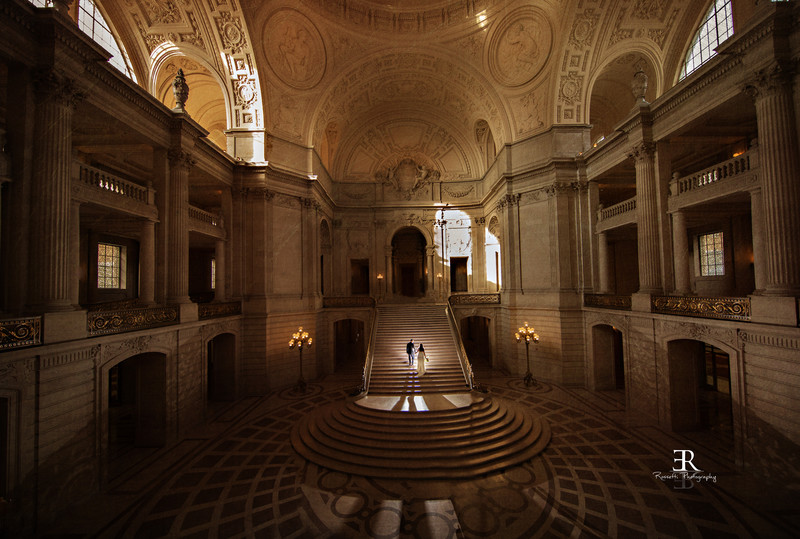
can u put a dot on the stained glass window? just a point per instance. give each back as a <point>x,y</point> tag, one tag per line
<point>111,261</point>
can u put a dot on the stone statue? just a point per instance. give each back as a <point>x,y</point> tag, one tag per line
<point>639,86</point>
<point>181,91</point>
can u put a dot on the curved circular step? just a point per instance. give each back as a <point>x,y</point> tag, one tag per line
<point>486,435</point>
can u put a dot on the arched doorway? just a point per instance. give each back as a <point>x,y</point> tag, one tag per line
<point>221,368</point>
<point>609,359</point>
<point>700,388</point>
<point>475,336</point>
<point>349,345</point>
<point>408,261</point>
<point>137,409</point>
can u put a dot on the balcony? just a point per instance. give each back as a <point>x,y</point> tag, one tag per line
<point>623,213</point>
<point>98,186</point>
<point>111,321</point>
<point>206,311</point>
<point>734,175</point>
<point>475,299</point>
<point>724,308</point>
<point>607,301</point>
<point>208,223</point>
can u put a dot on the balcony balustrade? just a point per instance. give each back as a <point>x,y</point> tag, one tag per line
<point>133,319</point>
<point>218,310</point>
<point>348,301</point>
<point>109,183</point>
<point>726,308</point>
<point>474,299</point>
<point>736,167</point>
<point>607,301</point>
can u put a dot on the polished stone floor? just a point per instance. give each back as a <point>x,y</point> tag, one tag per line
<point>238,476</point>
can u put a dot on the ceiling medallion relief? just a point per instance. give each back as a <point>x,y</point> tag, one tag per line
<point>294,49</point>
<point>408,176</point>
<point>520,47</point>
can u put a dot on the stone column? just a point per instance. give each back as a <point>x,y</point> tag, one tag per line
<point>780,169</point>
<point>49,260</point>
<point>478,233</point>
<point>603,263</point>
<point>75,252</point>
<point>757,226</point>
<point>220,293</point>
<point>431,276</point>
<point>389,271</point>
<point>147,262</point>
<point>647,219</point>
<point>180,162</point>
<point>680,244</point>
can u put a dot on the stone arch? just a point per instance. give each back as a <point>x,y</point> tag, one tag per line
<point>477,330</point>
<point>608,366</point>
<point>609,96</point>
<point>202,78</point>
<point>685,367</point>
<point>410,262</point>
<point>132,413</point>
<point>221,366</point>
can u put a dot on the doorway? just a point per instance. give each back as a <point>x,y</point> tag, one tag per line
<point>221,368</point>
<point>458,274</point>
<point>349,350</point>
<point>408,259</point>
<point>359,277</point>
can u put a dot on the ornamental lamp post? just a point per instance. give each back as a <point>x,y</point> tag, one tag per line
<point>299,340</point>
<point>527,334</point>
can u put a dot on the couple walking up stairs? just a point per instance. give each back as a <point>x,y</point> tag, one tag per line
<point>427,325</point>
<point>433,421</point>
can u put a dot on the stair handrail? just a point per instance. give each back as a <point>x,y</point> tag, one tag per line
<point>466,367</point>
<point>367,372</point>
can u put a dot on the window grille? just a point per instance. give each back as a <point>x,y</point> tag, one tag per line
<point>111,261</point>
<point>717,26</point>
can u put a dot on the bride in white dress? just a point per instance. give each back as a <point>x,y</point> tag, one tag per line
<point>421,359</point>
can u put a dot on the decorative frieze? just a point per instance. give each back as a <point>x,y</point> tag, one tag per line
<point>723,308</point>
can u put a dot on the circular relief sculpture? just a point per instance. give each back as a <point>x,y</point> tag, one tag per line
<point>520,47</point>
<point>294,49</point>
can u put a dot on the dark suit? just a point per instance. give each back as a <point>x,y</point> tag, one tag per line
<point>410,352</point>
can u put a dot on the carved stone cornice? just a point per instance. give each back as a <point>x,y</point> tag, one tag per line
<point>181,158</point>
<point>50,85</point>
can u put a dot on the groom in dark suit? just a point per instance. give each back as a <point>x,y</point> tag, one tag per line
<point>410,352</point>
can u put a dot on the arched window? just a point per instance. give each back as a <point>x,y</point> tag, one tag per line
<point>93,24</point>
<point>717,27</point>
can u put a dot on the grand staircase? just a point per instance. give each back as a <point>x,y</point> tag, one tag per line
<point>419,427</point>
<point>427,325</point>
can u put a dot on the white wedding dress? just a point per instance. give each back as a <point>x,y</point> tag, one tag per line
<point>421,363</point>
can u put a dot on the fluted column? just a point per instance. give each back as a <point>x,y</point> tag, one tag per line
<point>780,170</point>
<point>75,252</point>
<point>147,262</point>
<point>604,264</point>
<point>50,264</point>
<point>180,163</point>
<point>220,294</point>
<point>647,218</point>
<point>680,244</point>
<point>757,227</point>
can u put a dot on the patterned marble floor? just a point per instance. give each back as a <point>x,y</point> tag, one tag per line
<point>238,476</point>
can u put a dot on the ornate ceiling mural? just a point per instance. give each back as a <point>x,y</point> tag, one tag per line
<point>347,77</point>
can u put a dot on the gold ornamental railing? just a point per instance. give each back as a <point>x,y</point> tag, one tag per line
<point>120,321</point>
<point>218,310</point>
<point>474,299</point>
<point>20,332</point>
<point>607,301</point>
<point>723,308</point>
<point>348,301</point>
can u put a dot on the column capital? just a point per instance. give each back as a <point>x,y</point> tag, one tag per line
<point>50,85</point>
<point>642,151</point>
<point>767,81</point>
<point>479,220</point>
<point>508,200</point>
<point>181,158</point>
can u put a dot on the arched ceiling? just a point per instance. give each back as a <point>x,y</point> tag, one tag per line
<point>369,83</point>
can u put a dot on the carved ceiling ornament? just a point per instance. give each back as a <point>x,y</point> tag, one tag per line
<point>520,47</point>
<point>407,176</point>
<point>294,49</point>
